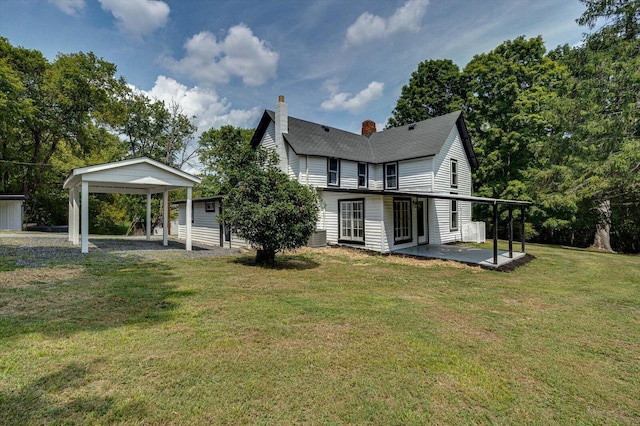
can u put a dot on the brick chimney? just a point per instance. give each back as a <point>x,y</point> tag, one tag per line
<point>368,128</point>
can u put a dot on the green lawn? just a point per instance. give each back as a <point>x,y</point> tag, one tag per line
<point>330,337</point>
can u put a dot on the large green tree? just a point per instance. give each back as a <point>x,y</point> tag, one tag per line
<point>260,204</point>
<point>51,111</point>
<point>434,89</point>
<point>597,158</point>
<point>150,128</point>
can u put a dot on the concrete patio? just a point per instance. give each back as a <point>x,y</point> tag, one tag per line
<point>469,255</point>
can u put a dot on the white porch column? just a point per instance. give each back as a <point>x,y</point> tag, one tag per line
<point>76,216</point>
<point>70,219</point>
<point>188,219</point>
<point>84,206</point>
<point>148,224</point>
<point>165,218</point>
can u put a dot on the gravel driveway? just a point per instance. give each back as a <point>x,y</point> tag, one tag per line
<point>40,249</point>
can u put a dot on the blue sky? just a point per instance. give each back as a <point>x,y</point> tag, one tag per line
<point>337,62</point>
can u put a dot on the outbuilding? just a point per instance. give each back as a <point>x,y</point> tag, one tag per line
<point>11,212</point>
<point>134,176</point>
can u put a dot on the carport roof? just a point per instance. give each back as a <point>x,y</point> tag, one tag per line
<point>134,176</point>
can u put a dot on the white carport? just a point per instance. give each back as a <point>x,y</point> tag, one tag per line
<point>134,176</point>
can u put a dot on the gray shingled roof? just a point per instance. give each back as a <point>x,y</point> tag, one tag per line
<point>421,139</point>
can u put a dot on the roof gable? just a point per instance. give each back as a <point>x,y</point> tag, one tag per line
<point>136,175</point>
<point>422,139</point>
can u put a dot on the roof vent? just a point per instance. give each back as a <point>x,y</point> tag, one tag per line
<point>412,126</point>
<point>326,129</point>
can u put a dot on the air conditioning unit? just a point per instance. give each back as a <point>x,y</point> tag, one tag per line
<point>318,239</point>
<point>473,232</point>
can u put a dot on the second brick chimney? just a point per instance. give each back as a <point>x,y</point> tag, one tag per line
<point>368,128</point>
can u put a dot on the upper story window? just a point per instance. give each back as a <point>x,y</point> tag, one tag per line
<point>333,171</point>
<point>362,175</point>
<point>454,173</point>
<point>391,176</point>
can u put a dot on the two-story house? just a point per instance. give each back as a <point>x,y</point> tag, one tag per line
<point>380,190</point>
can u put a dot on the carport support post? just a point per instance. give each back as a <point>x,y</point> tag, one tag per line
<point>84,207</point>
<point>510,231</point>
<point>522,226</point>
<point>495,232</point>
<point>188,218</point>
<point>76,216</point>
<point>70,220</point>
<point>165,218</point>
<point>148,224</point>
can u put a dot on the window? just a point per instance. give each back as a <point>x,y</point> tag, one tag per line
<point>401,220</point>
<point>454,215</point>
<point>352,220</point>
<point>209,206</point>
<point>193,212</point>
<point>333,171</point>
<point>362,175</point>
<point>391,176</point>
<point>454,173</point>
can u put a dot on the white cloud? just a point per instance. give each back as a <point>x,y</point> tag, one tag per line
<point>70,7</point>
<point>210,110</point>
<point>240,54</point>
<point>138,17</point>
<point>370,27</point>
<point>341,101</point>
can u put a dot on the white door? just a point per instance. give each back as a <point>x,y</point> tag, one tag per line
<point>423,221</point>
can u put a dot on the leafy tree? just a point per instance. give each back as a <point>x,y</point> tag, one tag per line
<point>48,107</point>
<point>600,114</point>
<point>434,89</point>
<point>509,91</point>
<point>261,204</point>
<point>224,152</point>
<point>151,129</point>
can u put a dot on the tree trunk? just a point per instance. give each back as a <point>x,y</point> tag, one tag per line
<point>602,238</point>
<point>266,257</point>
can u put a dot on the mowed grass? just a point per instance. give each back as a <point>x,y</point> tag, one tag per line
<point>331,336</point>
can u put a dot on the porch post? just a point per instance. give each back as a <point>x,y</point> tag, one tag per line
<point>84,207</point>
<point>165,218</point>
<point>522,226</point>
<point>188,219</point>
<point>510,231</point>
<point>148,224</point>
<point>495,232</point>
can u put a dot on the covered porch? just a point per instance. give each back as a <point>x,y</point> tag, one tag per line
<point>135,176</point>
<point>488,258</point>
<point>464,254</point>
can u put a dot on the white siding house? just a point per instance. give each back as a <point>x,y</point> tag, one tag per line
<point>205,226</point>
<point>382,191</point>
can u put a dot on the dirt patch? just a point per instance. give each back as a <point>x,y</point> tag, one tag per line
<point>27,277</point>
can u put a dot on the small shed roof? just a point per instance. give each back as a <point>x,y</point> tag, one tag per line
<point>10,197</point>
<point>134,176</point>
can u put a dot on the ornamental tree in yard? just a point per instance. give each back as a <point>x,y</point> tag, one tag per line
<point>261,204</point>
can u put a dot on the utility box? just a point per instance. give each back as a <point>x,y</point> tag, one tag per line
<point>473,232</point>
<point>318,239</point>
